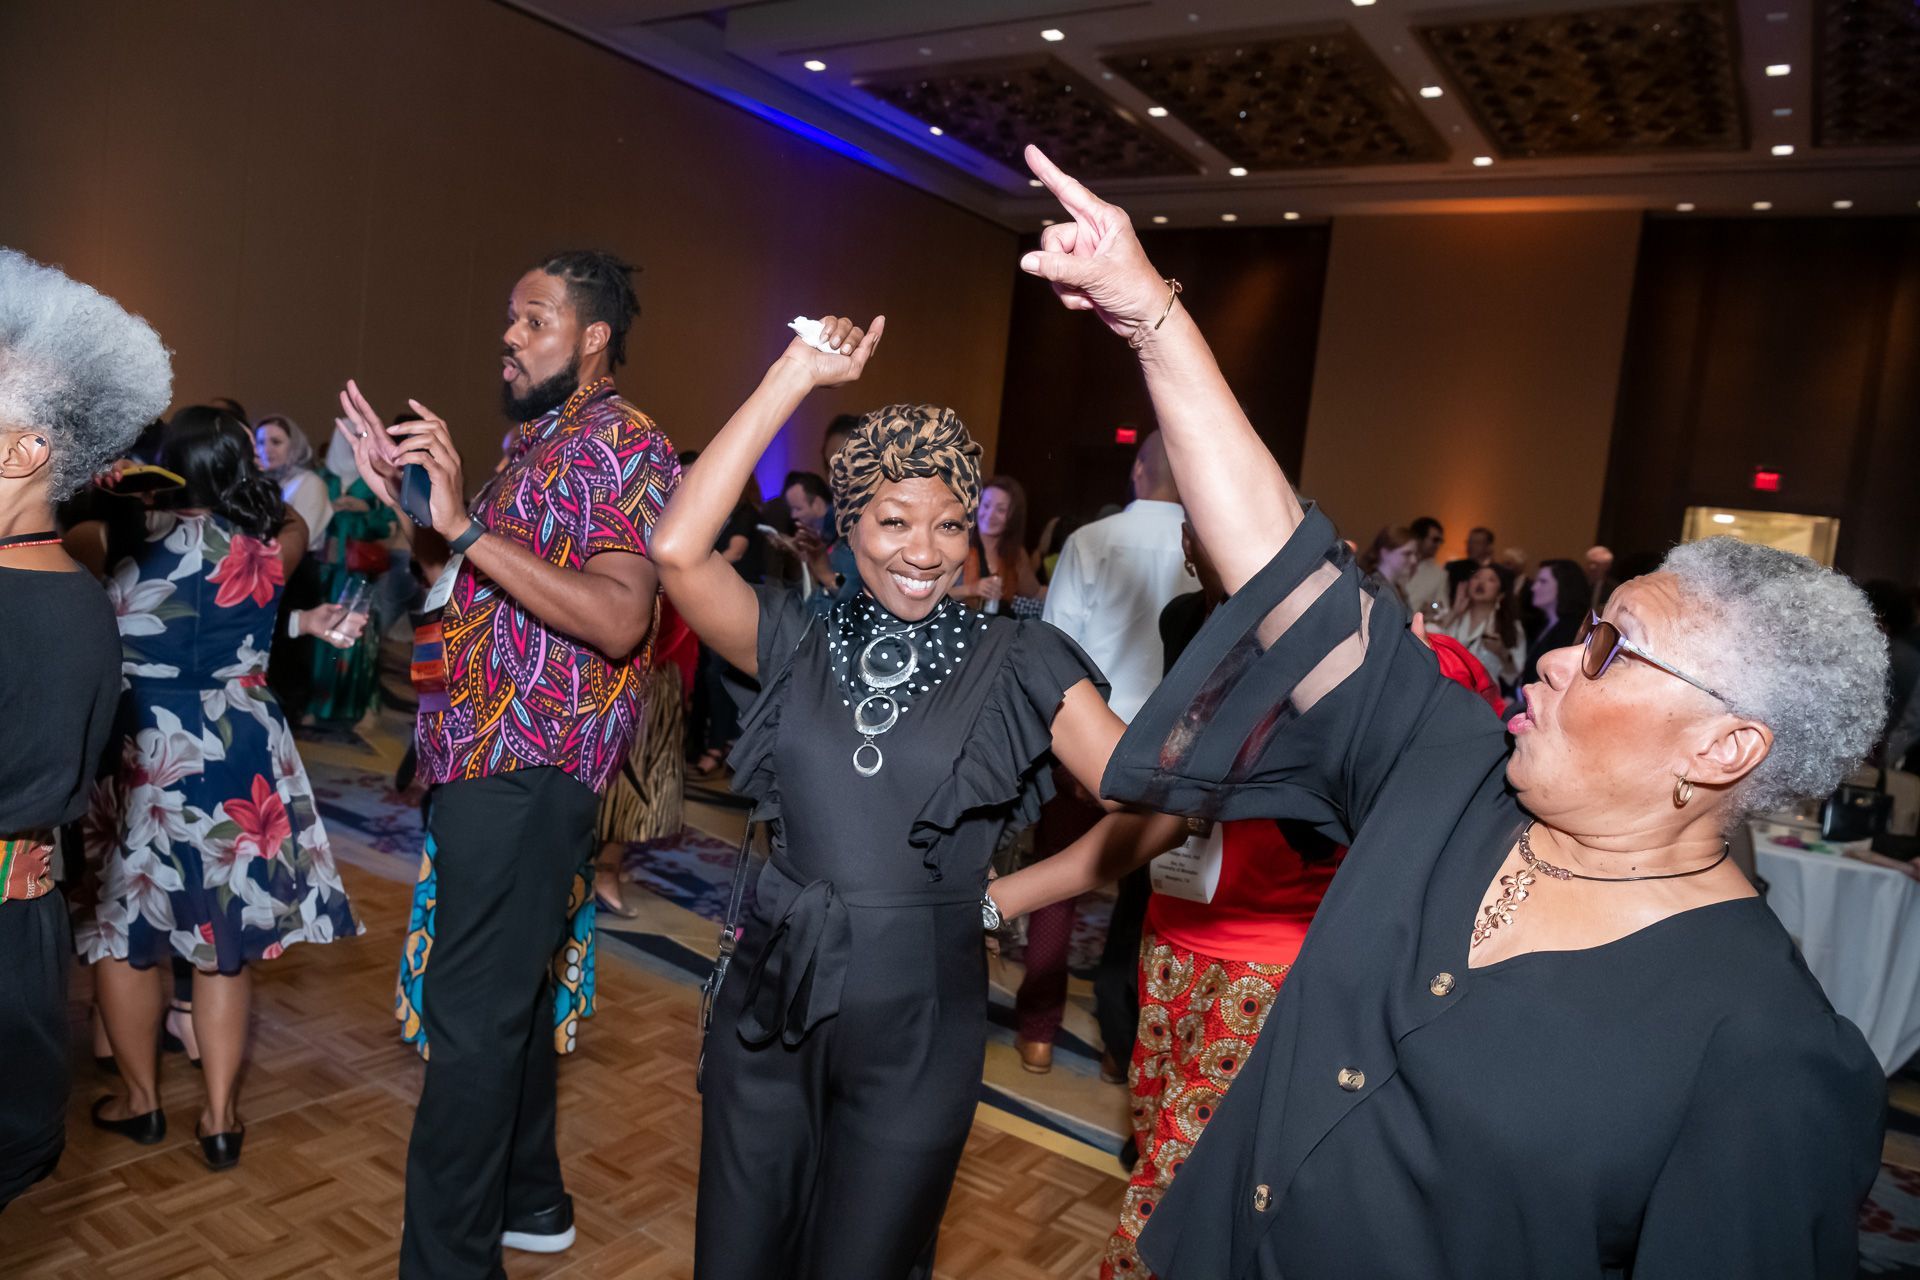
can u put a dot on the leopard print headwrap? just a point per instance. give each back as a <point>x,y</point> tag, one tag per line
<point>904,442</point>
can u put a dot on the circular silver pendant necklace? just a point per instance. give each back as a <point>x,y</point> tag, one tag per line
<point>879,711</point>
<point>885,663</point>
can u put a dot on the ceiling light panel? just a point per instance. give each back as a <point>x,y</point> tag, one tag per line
<point>1300,101</point>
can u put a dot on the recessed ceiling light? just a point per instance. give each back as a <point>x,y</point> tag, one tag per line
<point>1783,149</point>
<point>1159,219</point>
<point>1035,182</point>
<point>814,64</point>
<point>1291,216</point>
<point>1053,35</point>
<point>1229,217</point>
<point>1721,517</point>
<point>1361,4</point>
<point>1779,68</point>
<point>1843,204</point>
<point>1431,91</point>
<point>1685,206</point>
<point>1481,162</point>
<point>1781,113</point>
<point>1761,206</point>
<point>937,131</point>
<point>1157,112</point>
<point>1237,172</point>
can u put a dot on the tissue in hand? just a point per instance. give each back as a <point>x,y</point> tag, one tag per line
<point>809,331</point>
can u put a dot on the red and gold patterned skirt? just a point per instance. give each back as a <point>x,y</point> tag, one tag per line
<point>1199,1017</point>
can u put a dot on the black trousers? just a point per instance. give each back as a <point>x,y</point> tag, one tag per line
<point>832,1159</point>
<point>1116,981</point>
<point>36,951</point>
<point>483,1151</point>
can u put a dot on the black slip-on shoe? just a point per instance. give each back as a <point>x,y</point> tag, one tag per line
<point>222,1150</point>
<point>144,1129</point>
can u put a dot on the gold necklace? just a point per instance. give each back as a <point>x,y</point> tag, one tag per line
<point>1516,886</point>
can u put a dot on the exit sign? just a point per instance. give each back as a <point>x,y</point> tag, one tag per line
<point>1126,435</point>
<point>1766,481</point>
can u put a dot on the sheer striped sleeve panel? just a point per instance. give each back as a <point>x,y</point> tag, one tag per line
<point>1295,701</point>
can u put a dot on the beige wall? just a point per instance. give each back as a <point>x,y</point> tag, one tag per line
<point>1467,369</point>
<point>294,193</point>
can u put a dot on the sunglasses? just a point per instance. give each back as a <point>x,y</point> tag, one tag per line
<point>1603,643</point>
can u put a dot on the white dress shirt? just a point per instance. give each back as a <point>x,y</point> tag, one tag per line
<point>1113,579</point>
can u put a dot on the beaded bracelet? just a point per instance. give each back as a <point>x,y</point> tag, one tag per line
<point>1138,338</point>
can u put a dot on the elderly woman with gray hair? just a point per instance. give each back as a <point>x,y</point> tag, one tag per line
<point>1541,1026</point>
<point>79,378</point>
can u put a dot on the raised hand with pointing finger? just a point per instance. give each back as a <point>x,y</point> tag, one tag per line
<point>1095,262</point>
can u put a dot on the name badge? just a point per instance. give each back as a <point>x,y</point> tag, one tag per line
<point>443,585</point>
<point>1192,871</point>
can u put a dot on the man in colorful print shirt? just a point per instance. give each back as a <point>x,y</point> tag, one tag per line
<point>544,640</point>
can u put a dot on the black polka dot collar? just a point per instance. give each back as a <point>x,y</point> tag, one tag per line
<point>939,643</point>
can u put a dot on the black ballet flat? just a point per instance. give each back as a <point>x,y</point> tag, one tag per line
<point>222,1150</point>
<point>144,1129</point>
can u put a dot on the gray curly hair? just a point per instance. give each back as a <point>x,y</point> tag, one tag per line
<point>1793,645</point>
<point>75,364</point>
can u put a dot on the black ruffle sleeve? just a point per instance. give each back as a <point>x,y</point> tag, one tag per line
<point>1005,766</point>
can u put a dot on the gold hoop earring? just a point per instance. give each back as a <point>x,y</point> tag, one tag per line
<point>1682,792</point>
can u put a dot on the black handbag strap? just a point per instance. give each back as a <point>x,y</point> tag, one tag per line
<point>736,894</point>
<point>729,940</point>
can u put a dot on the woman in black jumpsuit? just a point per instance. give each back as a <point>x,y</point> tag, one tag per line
<point>844,1060</point>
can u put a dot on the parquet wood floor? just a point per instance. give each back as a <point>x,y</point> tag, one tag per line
<point>328,1102</point>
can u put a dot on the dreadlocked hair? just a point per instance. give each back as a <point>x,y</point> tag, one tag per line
<point>904,442</point>
<point>601,290</point>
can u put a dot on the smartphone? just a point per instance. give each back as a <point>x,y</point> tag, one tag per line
<point>416,494</point>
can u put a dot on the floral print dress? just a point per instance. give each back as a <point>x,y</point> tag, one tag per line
<point>202,840</point>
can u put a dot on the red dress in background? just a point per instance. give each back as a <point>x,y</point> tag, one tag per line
<point>1209,972</point>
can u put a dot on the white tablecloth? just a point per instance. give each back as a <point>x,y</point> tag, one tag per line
<point>1858,926</point>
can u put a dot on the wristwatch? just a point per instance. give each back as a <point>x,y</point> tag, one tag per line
<point>990,918</point>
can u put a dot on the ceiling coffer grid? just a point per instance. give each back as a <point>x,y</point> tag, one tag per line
<point>1311,100</point>
<point>997,109</point>
<point>1617,81</point>
<point>1869,85</point>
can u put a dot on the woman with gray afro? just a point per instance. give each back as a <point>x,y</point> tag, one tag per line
<point>892,744</point>
<point>1542,1025</point>
<point>79,378</point>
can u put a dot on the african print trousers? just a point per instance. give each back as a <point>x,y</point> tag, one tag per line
<point>1199,1017</point>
